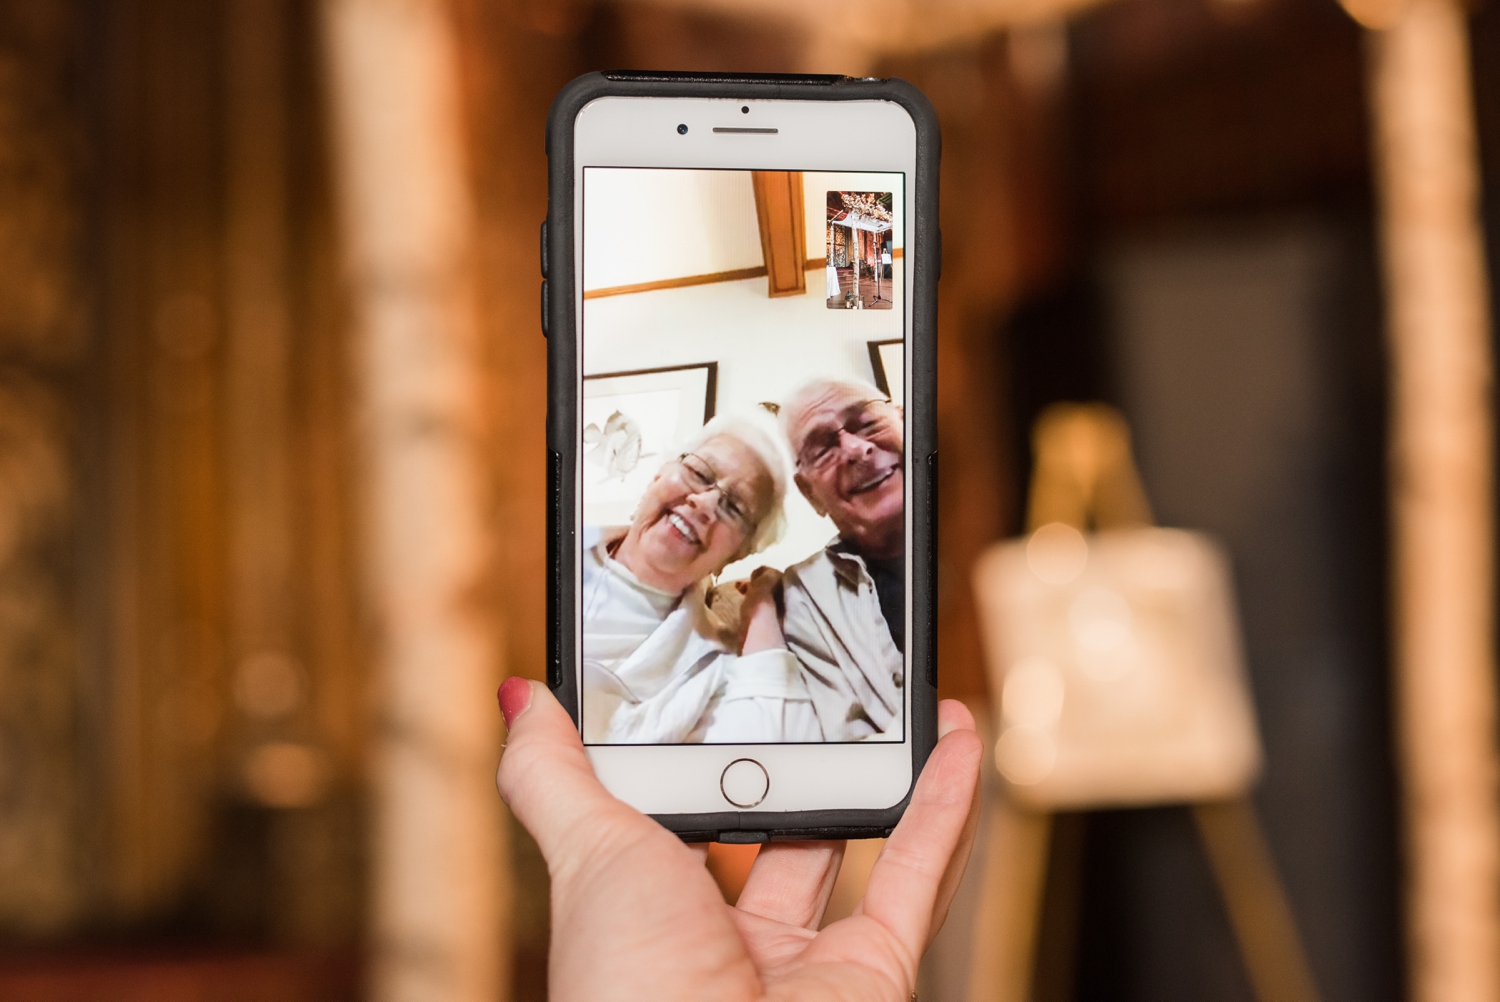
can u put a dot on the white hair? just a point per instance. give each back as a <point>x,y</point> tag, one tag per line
<point>814,388</point>
<point>773,522</point>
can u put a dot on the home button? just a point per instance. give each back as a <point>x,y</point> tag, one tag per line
<point>744,782</point>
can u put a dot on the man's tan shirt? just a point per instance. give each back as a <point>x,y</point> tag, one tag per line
<point>835,628</point>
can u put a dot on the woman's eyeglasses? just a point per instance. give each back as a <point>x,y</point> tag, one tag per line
<point>699,478</point>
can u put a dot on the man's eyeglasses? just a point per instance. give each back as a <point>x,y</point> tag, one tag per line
<point>699,478</point>
<point>821,445</point>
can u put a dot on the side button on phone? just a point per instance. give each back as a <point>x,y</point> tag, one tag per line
<point>744,782</point>
<point>544,248</point>
<point>932,547</point>
<point>544,307</point>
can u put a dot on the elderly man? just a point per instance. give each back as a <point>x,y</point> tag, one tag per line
<point>845,605</point>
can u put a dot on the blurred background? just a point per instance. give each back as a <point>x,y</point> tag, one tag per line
<point>263,353</point>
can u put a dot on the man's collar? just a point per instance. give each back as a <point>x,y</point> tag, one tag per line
<point>847,563</point>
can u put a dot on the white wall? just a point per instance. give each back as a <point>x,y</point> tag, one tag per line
<point>765,347</point>
<point>646,225</point>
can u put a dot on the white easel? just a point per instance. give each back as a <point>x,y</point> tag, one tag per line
<point>1085,474</point>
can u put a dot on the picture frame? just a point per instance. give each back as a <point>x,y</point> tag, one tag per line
<point>633,421</point>
<point>888,363</point>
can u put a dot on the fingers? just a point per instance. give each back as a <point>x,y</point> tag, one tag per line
<point>767,580</point>
<point>791,881</point>
<point>904,890</point>
<point>549,783</point>
<point>764,583</point>
<point>954,716</point>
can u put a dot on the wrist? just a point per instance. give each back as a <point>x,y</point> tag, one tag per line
<point>764,632</point>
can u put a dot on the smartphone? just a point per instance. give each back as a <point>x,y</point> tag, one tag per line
<point>739,295</point>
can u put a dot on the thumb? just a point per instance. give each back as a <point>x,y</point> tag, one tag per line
<point>548,781</point>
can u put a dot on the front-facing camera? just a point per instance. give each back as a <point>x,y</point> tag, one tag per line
<point>682,130</point>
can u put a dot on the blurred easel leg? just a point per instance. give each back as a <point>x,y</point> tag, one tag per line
<point>854,876</point>
<point>1258,909</point>
<point>1015,870</point>
<point>1060,909</point>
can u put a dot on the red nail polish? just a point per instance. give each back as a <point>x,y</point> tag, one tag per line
<point>515,697</point>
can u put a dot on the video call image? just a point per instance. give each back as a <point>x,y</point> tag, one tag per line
<point>743,564</point>
<point>859,250</point>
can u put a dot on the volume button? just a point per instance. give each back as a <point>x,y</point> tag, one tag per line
<point>544,307</point>
<point>544,248</point>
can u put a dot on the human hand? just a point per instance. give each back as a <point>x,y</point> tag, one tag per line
<point>635,914</point>
<point>761,611</point>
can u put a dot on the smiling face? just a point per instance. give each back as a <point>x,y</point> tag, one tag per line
<point>697,515</point>
<point>849,450</point>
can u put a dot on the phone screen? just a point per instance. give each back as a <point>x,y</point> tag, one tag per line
<point>743,481</point>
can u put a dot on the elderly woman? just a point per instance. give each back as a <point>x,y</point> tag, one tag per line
<point>661,665</point>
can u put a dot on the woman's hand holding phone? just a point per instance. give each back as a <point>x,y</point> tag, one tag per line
<point>635,914</point>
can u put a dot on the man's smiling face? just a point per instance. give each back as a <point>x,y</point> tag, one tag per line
<point>849,449</point>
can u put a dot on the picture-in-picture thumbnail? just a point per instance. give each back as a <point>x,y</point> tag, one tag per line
<point>859,250</point>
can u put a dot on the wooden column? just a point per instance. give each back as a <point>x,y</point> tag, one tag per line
<point>1442,447</point>
<point>438,915</point>
<point>164,502</point>
<point>257,329</point>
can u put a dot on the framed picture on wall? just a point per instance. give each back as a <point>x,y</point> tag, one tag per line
<point>632,423</point>
<point>888,362</point>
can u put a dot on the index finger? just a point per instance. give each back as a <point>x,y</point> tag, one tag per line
<point>912,875</point>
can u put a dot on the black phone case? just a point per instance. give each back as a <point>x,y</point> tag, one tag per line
<point>560,325</point>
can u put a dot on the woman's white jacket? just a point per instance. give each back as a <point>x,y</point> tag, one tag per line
<point>684,683</point>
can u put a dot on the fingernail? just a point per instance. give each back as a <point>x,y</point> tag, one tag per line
<point>515,697</point>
